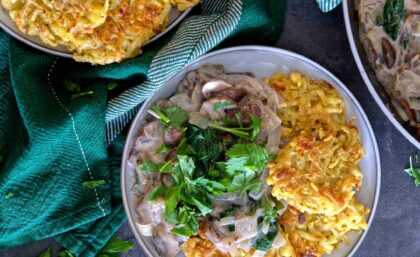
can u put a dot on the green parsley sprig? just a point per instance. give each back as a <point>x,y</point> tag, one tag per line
<point>172,116</point>
<point>250,132</point>
<point>414,171</point>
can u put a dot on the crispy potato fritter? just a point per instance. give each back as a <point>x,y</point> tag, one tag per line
<point>95,31</point>
<point>318,175</point>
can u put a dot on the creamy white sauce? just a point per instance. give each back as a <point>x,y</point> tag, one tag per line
<point>401,80</point>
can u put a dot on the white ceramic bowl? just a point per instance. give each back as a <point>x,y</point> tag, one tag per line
<point>263,62</point>
<point>10,27</point>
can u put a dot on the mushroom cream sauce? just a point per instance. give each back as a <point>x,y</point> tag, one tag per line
<point>234,165</point>
<point>390,34</point>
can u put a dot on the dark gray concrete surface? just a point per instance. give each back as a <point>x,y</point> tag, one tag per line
<point>395,231</point>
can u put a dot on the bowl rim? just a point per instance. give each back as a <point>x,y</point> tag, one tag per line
<point>66,54</point>
<point>366,79</point>
<point>131,133</point>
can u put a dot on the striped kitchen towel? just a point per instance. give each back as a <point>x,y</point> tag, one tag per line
<point>328,5</point>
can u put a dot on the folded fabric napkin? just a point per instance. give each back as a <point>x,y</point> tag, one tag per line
<point>328,5</point>
<point>53,149</point>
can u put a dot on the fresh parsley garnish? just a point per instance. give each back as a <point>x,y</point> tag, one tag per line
<point>71,86</point>
<point>270,213</point>
<point>162,149</point>
<point>156,193</point>
<point>81,94</point>
<point>249,133</point>
<point>206,144</point>
<point>184,148</point>
<point>113,248</point>
<point>188,197</point>
<point>222,104</point>
<point>243,167</point>
<point>256,155</point>
<point>172,116</point>
<point>65,253</point>
<point>188,223</point>
<point>75,89</point>
<point>115,245</point>
<point>414,172</point>
<point>264,243</point>
<point>93,184</point>
<point>392,16</point>
<point>149,166</point>
<point>111,86</point>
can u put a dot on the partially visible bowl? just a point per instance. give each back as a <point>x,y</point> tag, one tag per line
<point>368,74</point>
<point>7,24</point>
<point>263,62</point>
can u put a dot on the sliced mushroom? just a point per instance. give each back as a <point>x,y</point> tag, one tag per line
<point>184,101</point>
<point>374,43</point>
<point>270,119</point>
<point>235,94</point>
<point>164,103</point>
<point>199,120</point>
<point>252,86</point>
<point>406,107</point>
<point>196,95</point>
<point>151,138</point>
<point>273,98</point>
<point>412,6</point>
<point>273,141</point>
<point>253,106</point>
<point>212,87</point>
<point>250,106</point>
<point>145,229</point>
<point>172,136</point>
<point>373,56</point>
<point>209,72</point>
<point>186,86</point>
<point>151,212</point>
<point>165,242</point>
<point>389,53</point>
<point>216,107</point>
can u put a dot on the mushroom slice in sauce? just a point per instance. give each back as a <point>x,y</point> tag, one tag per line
<point>216,107</point>
<point>389,53</point>
<point>151,138</point>
<point>165,242</point>
<point>213,87</point>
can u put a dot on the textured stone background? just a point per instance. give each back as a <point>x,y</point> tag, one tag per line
<point>395,231</point>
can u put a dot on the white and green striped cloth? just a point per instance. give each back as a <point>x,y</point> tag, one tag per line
<point>328,5</point>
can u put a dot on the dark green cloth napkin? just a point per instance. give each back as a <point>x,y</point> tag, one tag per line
<point>51,144</point>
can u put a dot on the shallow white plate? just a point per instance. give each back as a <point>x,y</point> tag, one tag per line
<point>264,62</point>
<point>6,23</point>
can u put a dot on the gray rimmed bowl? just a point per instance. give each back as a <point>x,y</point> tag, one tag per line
<point>7,24</point>
<point>264,62</point>
<point>368,74</point>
